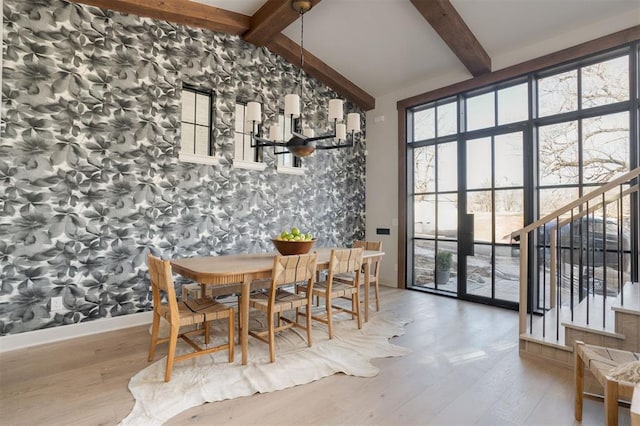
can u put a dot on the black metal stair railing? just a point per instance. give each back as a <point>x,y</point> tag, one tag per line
<point>579,255</point>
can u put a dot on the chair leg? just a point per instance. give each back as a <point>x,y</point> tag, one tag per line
<point>272,339</point>
<point>579,386</point>
<point>154,335</point>
<point>377,290</point>
<point>308,324</point>
<point>239,320</point>
<point>329,316</point>
<point>173,341</point>
<point>353,306</point>
<point>611,403</point>
<point>207,325</point>
<point>356,296</point>
<point>232,342</point>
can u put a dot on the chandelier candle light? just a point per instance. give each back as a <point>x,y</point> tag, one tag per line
<point>303,144</point>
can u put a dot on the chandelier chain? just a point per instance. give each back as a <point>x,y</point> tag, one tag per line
<point>301,54</point>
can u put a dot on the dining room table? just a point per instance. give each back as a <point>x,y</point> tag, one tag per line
<point>245,268</point>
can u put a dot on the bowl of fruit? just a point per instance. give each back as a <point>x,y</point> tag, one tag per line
<point>293,242</point>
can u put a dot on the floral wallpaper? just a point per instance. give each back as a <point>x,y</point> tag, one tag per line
<point>89,174</point>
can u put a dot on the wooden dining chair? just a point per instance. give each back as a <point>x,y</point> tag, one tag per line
<point>340,261</point>
<point>182,314</point>
<point>374,270</point>
<point>287,270</point>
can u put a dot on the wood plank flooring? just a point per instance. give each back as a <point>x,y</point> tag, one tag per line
<point>464,369</point>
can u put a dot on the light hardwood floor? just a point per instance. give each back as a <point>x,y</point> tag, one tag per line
<point>464,369</point>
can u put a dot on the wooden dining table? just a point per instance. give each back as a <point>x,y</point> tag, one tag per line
<point>243,269</point>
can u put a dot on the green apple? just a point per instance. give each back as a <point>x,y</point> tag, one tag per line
<point>295,231</point>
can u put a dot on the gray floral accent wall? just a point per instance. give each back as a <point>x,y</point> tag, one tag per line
<point>89,170</point>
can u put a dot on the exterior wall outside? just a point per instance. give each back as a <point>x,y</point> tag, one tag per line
<point>89,176</point>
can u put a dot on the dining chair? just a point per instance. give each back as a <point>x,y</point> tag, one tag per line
<point>340,261</point>
<point>374,270</point>
<point>287,271</point>
<point>183,314</point>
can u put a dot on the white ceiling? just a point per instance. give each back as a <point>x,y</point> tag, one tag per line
<point>385,45</point>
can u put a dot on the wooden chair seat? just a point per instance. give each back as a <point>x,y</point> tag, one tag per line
<point>338,289</point>
<point>181,314</point>
<point>196,311</point>
<point>284,301</point>
<point>602,362</point>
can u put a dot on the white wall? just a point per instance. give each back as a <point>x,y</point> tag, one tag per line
<point>382,133</point>
<point>382,170</point>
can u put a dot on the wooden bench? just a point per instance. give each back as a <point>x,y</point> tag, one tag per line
<point>602,362</point>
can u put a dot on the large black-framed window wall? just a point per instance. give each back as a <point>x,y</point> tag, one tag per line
<point>483,163</point>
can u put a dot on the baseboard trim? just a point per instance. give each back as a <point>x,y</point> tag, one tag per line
<point>12,342</point>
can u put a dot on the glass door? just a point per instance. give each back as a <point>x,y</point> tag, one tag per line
<point>493,196</point>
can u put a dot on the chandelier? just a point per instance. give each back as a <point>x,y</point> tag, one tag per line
<point>303,141</point>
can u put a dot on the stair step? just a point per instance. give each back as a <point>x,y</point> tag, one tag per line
<point>631,297</point>
<point>595,321</point>
<point>544,330</point>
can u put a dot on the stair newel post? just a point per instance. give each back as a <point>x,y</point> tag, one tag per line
<point>524,302</point>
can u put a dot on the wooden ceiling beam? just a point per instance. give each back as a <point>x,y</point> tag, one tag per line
<point>220,20</point>
<point>448,23</point>
<point>273,17</point>
<point>290,52</point>
<point>180,11</point>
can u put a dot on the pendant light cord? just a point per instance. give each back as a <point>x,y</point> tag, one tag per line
<point>301,62</point>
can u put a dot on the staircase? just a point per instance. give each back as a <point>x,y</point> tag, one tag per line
<point>578,274</point>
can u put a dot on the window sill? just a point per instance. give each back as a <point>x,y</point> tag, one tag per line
<point>249,165</point>
<point>199,159</point>
<point>290,170</point>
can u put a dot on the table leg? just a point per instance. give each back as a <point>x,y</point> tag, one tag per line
<point>366,292</point>
<point>244,318</point>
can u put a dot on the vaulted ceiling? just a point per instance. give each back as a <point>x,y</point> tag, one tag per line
<point>368,48</point>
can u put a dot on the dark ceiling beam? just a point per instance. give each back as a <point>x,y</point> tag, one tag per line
<point>180,11</point>
<point>273,17</point>
<point>220,20</point>
<point>448,23</point>
<point>290,52</point>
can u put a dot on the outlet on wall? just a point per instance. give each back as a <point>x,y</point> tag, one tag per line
<point>56,303</point>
